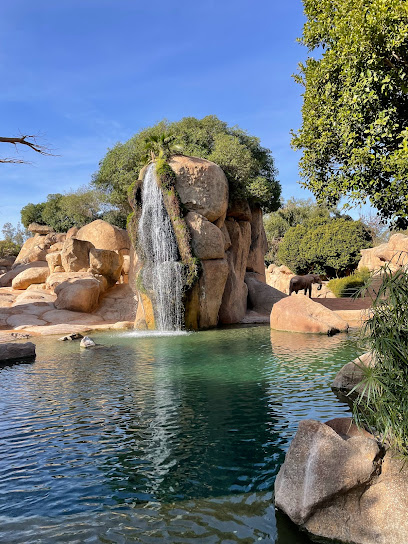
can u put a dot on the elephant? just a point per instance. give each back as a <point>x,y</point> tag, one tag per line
<point>297,283</point>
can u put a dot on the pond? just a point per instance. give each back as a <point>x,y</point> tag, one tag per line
<point>159,439</point>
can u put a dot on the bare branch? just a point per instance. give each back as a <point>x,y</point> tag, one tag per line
<point>12,161</point>
<point>28,140</point>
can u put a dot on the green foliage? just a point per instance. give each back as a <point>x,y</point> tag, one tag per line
<point>63,211</point>
<point>165,174</point>
<point>293,212</point>
<point>32,213</point>
<point>17,234</point>
<point>324,246</point>
<point>160,147</point>
<point>382,406</point>
<point>9,249</point>
<point>354,135</point>
<point>350,285</point>
<point>249,167</point>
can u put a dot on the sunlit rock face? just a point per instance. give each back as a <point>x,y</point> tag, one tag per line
<point>337,483</point>
<point>228,239</point>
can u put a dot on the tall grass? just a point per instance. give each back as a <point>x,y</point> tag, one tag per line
<point>382,405</point>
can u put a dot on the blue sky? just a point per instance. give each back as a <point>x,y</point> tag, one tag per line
<point>85,74</point>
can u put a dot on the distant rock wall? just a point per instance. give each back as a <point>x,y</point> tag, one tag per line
<point>394,253</point>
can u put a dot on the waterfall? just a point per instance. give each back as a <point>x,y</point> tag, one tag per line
<point>162,272</point>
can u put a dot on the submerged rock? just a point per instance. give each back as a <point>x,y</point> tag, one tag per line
<point>87,342</point>
<point>351,374</point>
<point>13,351</point>
<point>70,337</point>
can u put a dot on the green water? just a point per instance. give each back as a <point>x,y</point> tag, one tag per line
<point>150,438</point>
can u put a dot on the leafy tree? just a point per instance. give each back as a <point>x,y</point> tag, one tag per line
<point>63,211</point>
<point>354,135</point>
<point>9,249</point>
<point>249,167</point>
<point>32,213</point>
<point>293,212</point>
<point>16,235</point>
<point>324,246</point>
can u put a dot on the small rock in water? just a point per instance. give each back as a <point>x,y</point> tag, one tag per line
<point>72,336</point>
<point>87,342</point>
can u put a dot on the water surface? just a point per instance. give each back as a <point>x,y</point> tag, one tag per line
<point>158,438</point>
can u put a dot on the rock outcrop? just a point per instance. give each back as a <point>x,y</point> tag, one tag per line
<point>351,375</point>
<point>394,253</point>
<point>227,237</point>
<point>337,483</point>
<point>202,186</point>
<point>298,313</point>
<point>103,235</point>
<point>15,351</point>
<point>58,280</point>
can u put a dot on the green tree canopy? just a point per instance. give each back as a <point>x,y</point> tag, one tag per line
<point>249,167</point>
<point>328,246</point>
<point>74,209</point>
<point>354,135</point>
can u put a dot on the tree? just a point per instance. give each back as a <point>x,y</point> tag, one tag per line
<point>295,211</point>
<point>14,234</point>
<point>77,208</point>
<point>354,134</point>
<point>249,167</point>
<point>24,140</point>
<point>325,246</point>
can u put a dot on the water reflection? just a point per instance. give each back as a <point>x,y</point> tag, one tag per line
<point>185,434</point>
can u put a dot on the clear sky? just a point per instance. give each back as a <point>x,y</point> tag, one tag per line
<point>86,74</point>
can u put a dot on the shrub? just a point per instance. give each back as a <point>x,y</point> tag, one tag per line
<point>350,285</point>
<point>324,246</point>
<point>9,248</point>
<point>382,406</point>
<point>248,166</point>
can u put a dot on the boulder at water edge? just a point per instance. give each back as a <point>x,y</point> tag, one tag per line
<point>11,351</point>
<point>298,313</point>
<point>338,484</point>
<point>351,374</point>
<point>207,240</point>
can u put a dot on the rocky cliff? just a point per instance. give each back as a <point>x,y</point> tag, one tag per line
<point>228,239</point>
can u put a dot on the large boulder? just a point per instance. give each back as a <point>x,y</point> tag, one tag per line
<point>57,278</point>
<point>261,297</point>
<point>107,263</point>
<point>298,313</point>
<point>259,245</point>
<point>8,277</point>
<point>207,240</point>
<point>14,351</point>
<point>103,235</point>
<point>75,255</point>
<point>337,483</point>
<point>33,249</point>
<point>117,304</point>
<point>239,210</point>
<point>201,185</point>
<point>204,300</point>
<point>36,228</point>
<point>394,252</point>
<point>279,277</point>
<point>234,300</point>
<point>78,295</point>
<point>35,274</point>
<point>54,262</point>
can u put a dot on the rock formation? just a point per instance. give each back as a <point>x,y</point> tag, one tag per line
<point>394,252</point>
<point>228,239</point>
<point>338,483</point>
<point>298,313</point>
<point>351,374</point>
<point>59,279</point>
<point>13,352</point>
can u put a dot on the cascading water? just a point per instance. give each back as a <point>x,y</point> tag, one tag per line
<point>162,273</point>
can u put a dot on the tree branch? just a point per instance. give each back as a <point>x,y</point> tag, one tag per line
<point>24,140</point>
